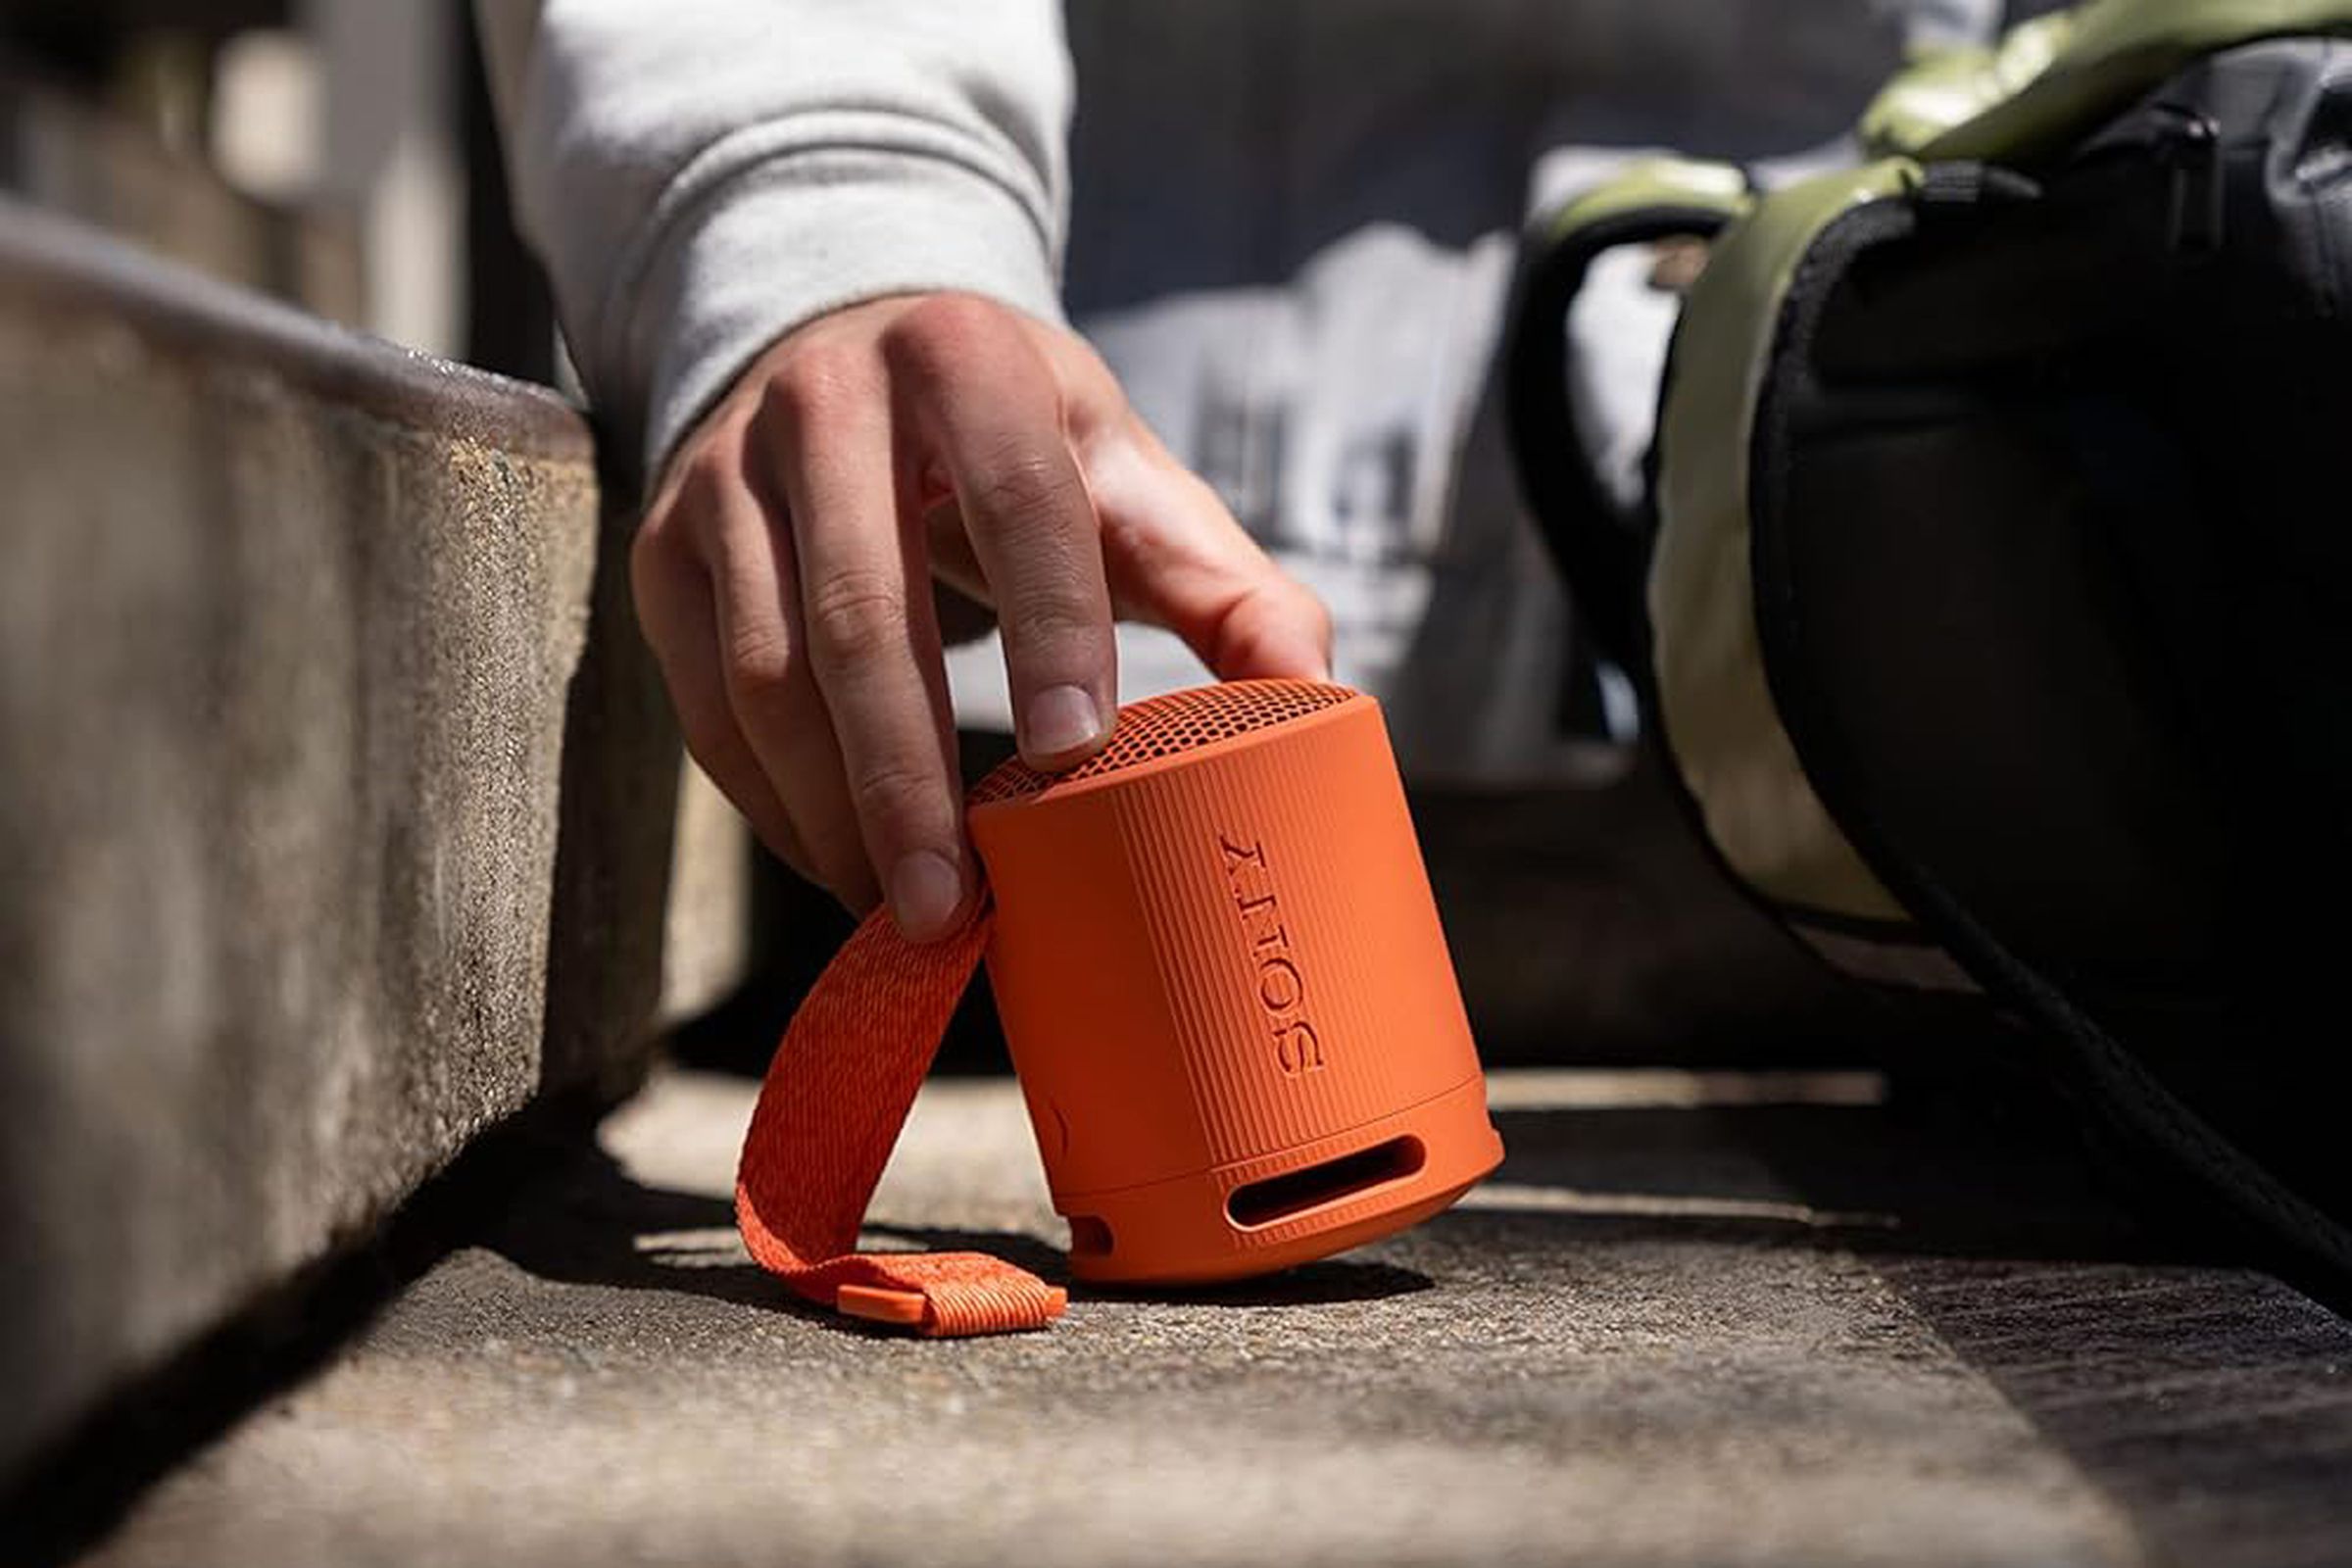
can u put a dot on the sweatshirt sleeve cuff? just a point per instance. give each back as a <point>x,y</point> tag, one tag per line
<point>787,241</point>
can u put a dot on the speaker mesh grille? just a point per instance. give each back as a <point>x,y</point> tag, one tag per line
<point>1162,726</point>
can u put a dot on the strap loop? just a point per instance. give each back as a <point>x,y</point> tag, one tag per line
<point>836,1095</point>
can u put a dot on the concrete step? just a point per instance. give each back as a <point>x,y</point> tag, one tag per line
<point>335,819</point>
<point>1695,1318</point>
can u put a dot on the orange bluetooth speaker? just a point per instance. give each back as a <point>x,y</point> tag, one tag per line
<point>1224,985</point>
<point>1223,981</point>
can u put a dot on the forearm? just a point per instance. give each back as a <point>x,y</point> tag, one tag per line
<point>703,176</point>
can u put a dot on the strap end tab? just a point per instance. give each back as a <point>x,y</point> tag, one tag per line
<point>877,1304</point>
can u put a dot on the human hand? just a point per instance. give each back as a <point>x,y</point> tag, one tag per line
<point>783,576</point>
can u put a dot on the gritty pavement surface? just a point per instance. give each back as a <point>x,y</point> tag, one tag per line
<point>1710,1319</point>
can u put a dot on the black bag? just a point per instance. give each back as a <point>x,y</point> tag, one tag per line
<point>1990,589</point>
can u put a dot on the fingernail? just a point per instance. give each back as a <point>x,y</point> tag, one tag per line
<point>1058,721</point>
<point>925,892</point>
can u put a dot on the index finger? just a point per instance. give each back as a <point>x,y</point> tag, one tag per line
<point>987,402</point>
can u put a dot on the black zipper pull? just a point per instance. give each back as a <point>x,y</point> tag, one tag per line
<point>2194,212</point>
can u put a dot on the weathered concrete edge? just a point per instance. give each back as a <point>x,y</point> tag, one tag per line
<point>65,274</point>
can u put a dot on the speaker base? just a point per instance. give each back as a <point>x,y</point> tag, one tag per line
<point>1294,1207</point>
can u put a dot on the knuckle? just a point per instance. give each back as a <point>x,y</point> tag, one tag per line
<point>1055,620</point>
<point>900,801</point>
<point>1029,493</point>
<point>760,667</point>
<point>950,339</point>
<point>688,483</point>
<point>669,524</point>
<point>818,386</point>
<point>951,322</point>
<point>854,617</point>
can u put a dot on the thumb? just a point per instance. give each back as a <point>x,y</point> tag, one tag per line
<point>1175,557</point>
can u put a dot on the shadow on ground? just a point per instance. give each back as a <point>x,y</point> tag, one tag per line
<point>589,1222</point>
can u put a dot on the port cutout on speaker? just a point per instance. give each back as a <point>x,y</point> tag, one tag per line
<point>1298,1191</point>
<point>1090,1237</point>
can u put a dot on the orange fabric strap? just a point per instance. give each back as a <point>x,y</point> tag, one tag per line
<point>836,1095</point>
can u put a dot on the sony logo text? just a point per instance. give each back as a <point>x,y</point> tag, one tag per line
<point>1280,989</point>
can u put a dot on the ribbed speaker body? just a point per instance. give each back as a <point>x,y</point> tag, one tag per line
<point>1225,988</point>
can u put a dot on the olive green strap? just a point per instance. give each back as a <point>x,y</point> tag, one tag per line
<point>1715,708</point>
<point>1653,184</point>
<point>2100,55</point>
<point>1951,86</point>
<point>1599,553</point>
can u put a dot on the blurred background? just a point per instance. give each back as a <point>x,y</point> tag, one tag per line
<point>338,154</point>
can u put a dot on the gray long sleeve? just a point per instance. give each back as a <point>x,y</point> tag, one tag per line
<point>700,177</point>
